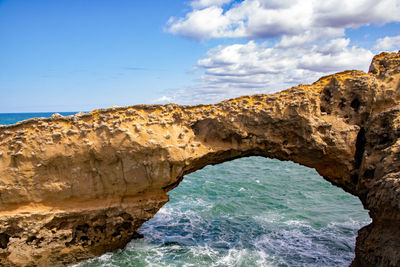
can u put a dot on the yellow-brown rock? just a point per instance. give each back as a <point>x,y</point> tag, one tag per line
<point>78,186</point>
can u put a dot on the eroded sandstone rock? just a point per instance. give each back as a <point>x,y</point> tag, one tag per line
<point>78,186</point>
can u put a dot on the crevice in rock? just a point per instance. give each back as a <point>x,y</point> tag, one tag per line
<point>369,173</point>
<point>360,147</point>
<point>355,104</point>
<point>327,95</point>
<point>342,103</point>
<point>34,240</point>
<point>4,239</point>
<point>358,156</point>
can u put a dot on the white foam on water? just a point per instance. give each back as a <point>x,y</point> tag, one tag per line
<point>103,260</point>
<point>269,217</point>
<point>312,245</point>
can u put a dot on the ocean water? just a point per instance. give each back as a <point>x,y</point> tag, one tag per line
<point>247,212</point>
<point>10,118</point>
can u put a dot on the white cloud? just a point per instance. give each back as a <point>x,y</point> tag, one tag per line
<point>309,35</point>
<point>250,68</point>
<point>164,99</point>
<point>343,13</point>
<point>260,19</point>
<point>205,22</point>
<point>388,43</point>
<point>335,56</point>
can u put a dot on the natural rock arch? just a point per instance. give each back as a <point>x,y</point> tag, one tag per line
<point>75,187</point>
<point>284,218</point>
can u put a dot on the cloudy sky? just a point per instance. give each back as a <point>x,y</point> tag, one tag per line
<point>78,55</point>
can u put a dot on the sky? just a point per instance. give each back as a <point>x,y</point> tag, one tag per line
<point>79,55</point>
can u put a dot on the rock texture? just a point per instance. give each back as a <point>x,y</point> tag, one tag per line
<point>78,186</point>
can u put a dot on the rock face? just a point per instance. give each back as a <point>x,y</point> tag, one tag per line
<point>78,186</point>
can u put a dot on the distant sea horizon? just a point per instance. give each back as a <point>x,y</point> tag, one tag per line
<point>14,117</point>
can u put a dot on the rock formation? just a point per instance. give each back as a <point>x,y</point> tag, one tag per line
<point>76,187</point>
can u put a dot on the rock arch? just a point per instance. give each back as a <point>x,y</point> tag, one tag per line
<point>78,186</point>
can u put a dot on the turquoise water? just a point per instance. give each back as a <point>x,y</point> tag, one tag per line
<point>248,212</point>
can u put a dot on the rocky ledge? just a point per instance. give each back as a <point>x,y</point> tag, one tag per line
<point>76,187</point>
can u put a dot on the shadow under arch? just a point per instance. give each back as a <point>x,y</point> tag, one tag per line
<point>251,211</point>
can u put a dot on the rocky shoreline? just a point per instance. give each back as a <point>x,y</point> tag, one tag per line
<point>75,187</point>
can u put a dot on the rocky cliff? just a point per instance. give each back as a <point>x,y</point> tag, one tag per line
<point>78,186</point>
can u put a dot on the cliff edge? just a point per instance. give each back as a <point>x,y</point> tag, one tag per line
<point>76,187</point>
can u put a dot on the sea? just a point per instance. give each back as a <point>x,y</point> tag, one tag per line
<point>251,211</point>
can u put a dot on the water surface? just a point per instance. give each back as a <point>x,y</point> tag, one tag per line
<point>248,212</point>
<point>10,118</point>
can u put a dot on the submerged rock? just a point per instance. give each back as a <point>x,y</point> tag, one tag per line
<point>84,189</point>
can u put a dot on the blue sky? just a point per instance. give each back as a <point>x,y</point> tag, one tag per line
<point>80,55</point>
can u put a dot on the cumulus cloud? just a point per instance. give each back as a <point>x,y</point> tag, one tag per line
<point>308,42</point>
<point>200,23</point>
<point>388,43</point>
<point>260,19</point>
<point>240,69</point>
<point>163,99</point>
